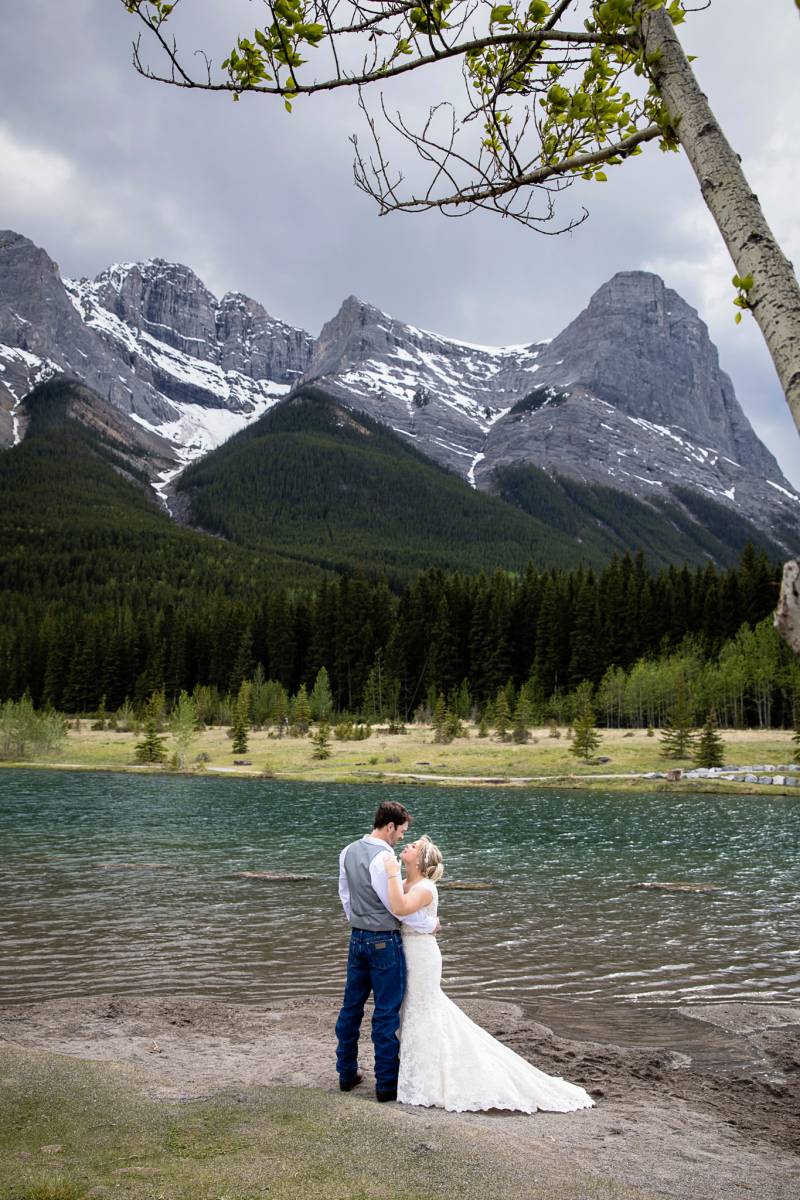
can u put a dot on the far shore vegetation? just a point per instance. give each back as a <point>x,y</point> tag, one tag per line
<point>414,756</point>
<point>555,674</point>
<point>262,732</point>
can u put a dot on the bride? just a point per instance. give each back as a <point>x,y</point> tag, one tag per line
<point>446,1060</point>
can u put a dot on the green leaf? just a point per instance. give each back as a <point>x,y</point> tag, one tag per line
<point>538,11</point>
<point>501,14</point>
<point>601,177</point>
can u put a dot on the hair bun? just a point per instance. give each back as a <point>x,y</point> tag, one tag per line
<point>431,863</point>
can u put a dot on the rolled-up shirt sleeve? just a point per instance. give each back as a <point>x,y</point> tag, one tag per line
<point>417,920</point>
<point>344,888</point>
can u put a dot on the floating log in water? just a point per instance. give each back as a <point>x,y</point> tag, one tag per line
<point>682,887</point>
<point>460,886</point>
<point>143,866</point>
<point>274,876</point>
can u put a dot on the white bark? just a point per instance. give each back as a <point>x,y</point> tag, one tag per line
<point>775,295</point>
<point>787,616</point>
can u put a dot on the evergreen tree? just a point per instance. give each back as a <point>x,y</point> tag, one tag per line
<point>462,702</point>
<point>586,739</point>
<point>452,725</point>
<point>243,662</point>
<point>502,715</point>
<point>521,731</point>
<point>152,747</point>
<point>372,699</point>
<point>301,710</point>
<point>240,722</point>
<point>585,637</point>
<point>102,716</point>
<point>260,697</point>
<point>439,722</point>
<point>710,750</point>
<point>677,736</point>
<point>279,705</point>
<point>321,699</point>
<point>321,740</point>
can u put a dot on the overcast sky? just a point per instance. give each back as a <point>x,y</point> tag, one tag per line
<point>99,166</point>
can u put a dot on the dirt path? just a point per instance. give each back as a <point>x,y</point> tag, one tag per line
<point>662,1125</point>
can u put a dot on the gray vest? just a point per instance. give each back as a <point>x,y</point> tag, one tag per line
<point>367,910</point>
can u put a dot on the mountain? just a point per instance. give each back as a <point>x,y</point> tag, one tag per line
<point>315,480</point>
<point>186,369</point>
<point>630,396</point>
<point>628,399</point>
<point>81,525</point>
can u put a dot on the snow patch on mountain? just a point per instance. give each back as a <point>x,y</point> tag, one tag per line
<point>792,495</point>
<point>27,371</point>
<point>230,399</point>
<point>150,356</point>
<point>198,429</point>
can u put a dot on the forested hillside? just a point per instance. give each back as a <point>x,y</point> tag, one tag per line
<point>547,630</point>
<point>103,596</point>
<point>335,487</point>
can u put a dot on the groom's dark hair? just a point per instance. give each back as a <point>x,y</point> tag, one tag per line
<point>390,812</point>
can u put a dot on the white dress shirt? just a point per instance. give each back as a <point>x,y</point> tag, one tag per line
<point>379,881</point>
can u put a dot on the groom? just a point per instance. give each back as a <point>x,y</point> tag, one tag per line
<point>375,961</point>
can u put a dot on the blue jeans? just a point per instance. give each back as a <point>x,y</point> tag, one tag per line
<point>375,963</point>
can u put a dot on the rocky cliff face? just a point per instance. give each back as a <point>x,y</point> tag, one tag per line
<point>640,347</point>
<point>443,394</point>
<point>167,303</point>
<point>42,335</point>
<point>187,369</point>
<point>630,394</point>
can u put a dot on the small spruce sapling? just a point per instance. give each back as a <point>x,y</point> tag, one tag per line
<point>710,750</point>
<point>502,715</point>
<point>677,736</point>
<point>322,742</point>
<point>585,738</point>
<point>152,747</point>
<point>240,722</point>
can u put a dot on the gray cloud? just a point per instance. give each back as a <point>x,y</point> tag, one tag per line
<point>99,166</point>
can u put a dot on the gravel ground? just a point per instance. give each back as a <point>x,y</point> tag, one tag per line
<point>663,1125</point>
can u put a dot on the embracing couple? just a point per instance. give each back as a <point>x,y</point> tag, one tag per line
<point>441,1058</point>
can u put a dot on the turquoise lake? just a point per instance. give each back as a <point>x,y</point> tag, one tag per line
<point>124,883</point>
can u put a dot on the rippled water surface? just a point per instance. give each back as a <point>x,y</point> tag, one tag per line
<point>124,883</point>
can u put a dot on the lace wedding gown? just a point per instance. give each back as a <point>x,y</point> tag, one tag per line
<point>448,1061</point>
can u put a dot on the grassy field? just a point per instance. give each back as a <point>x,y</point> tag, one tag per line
<point>72,1129</point>
<point>416,756</point>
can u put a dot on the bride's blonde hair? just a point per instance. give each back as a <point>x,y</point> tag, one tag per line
<point>429,858</point>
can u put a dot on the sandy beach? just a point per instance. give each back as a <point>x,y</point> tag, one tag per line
<point>663,1125</point>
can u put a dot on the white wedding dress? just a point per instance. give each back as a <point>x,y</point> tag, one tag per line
<point>447,1061</point>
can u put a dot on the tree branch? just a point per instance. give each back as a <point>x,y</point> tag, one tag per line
<point>478,195</point>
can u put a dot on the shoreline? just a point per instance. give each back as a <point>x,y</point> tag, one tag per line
<point>587,783</point>
<point>663,1124</point>
<point>413,759</point>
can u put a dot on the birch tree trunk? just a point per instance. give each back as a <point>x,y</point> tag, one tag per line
<point>787,617</point>
<point>775,294</point>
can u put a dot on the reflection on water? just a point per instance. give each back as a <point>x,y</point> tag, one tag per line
<point>126,883</point>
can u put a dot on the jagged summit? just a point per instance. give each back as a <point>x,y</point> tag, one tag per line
<point>642,348</point>
<point>629,395</point>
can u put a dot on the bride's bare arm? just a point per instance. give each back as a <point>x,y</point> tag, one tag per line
<point>403,905</point>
